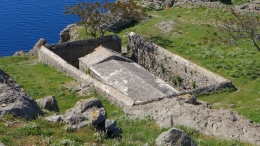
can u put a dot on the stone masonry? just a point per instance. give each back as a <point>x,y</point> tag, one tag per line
<point>125,75</point>
<point>180,73</point>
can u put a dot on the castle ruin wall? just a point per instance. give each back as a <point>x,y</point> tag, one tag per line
<point>50,58</point>
<point>180,73</point>
<point>71,51</point>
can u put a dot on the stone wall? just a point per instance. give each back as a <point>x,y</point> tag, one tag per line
<point>71,51</point>
<point>180,73</point>
<point>50,58</point>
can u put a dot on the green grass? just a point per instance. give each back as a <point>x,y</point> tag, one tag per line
<point>41,132</point>
<point>191,38</point>
<point>240,64</point>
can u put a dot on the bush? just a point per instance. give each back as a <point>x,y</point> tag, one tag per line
<point>193,84</point>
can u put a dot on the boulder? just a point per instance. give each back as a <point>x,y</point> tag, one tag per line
<point>70,33</point>
<point>19,53</point>
<point>191,99</point>
<point>86,112</point>
<point>169,3</point>
<point>223,124</point>
<point>157,5</point>
<point>36,47</point>
<point>48,103</point>
<point>117,131</point>
<point>13,99</point>
<point>110,125</point>
<point>1,144</point>
<point>55,118</point>
<point>174,137</point>
<point>83,88</point>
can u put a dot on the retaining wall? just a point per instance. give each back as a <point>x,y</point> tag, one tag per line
<point>50,58</point>
<point>71,51</point>
<point>180,73</point>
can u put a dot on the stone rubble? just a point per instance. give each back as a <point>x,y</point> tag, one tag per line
<point>88,112</point>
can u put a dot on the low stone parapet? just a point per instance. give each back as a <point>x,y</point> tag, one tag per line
<point>180,73</point>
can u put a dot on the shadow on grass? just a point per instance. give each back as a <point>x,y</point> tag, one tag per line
<point>162,41</point>
<point>118,27</point>
<point>227,2</point>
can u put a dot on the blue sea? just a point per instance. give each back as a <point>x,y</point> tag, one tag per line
<point>23,23</point>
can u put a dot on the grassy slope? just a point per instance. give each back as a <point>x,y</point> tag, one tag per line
<point>239,64</point>
<point>40,80</point>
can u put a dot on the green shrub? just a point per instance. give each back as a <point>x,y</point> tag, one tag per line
<point>162,68</point>
<point>193,84</point>
<point>2,128</point>
<point>177,80</point>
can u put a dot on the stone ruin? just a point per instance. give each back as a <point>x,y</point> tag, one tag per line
<point>151,74</point>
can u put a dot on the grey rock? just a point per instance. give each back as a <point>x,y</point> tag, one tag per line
<point>19,53</point>
<point>166,26</point>
<point>70,33</point>
<point>157,5</point>
<point>110,125</point>
<point>85,112</point>
<point>244,6</point>
<point>83,88</point>
<point>55,118</point>
<point>117,131</point>
<point>64,34</point>
<point>1,144</point>
<point>174,137</point>
<point>48,103</point>
<point>187,99</point>
<point>36,47</point>
<point>169,3</point>
<point>223,124</point>
<point>13,99</point>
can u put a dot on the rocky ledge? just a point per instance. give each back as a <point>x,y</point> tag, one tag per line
<point>14,100</point>
<point>198,115</point>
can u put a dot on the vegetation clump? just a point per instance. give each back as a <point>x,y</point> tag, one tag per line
<point>100,16</point>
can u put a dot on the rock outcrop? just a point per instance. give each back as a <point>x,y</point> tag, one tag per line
<point>218,123</point>
<point>13,99</point>
<point>54,118</point>
<point>166,26</point>
<point>174,137</point>
<point>19,53</point>
<point>159,4</point>
<point>70,33</point>
<point>86,112</point>
<point>248,7</point>
<point>48,103</point>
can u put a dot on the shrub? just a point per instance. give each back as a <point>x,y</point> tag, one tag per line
<point>176,80</point>
<point>193,84</point>
<point>162,68</point>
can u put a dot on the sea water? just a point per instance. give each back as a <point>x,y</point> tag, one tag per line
<point>23,23</point>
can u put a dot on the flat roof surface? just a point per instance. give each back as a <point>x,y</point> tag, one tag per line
<point>127,77</point>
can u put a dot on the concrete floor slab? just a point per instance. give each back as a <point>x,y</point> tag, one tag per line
<point>127,77</point>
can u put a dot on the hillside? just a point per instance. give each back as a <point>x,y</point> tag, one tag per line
<point>185,36</point>
<point>180,30</point>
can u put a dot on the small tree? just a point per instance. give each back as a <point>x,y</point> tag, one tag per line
<point>99,17</point>
<point>242,26</point>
